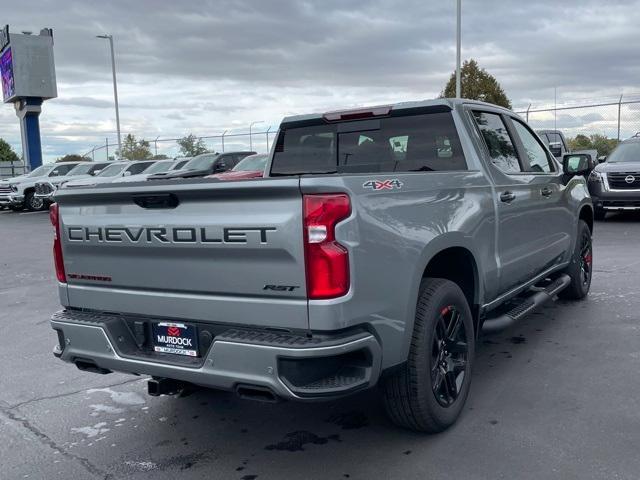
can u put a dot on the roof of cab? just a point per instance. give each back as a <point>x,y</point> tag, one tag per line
<point>451,103</point>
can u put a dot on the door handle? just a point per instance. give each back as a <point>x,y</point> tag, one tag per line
<point>507,197</point>
<point>546,192</point>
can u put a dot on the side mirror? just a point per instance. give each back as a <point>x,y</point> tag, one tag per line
<point>95,172</point>
<point>220,167</point>
<point>576,164</point>
<point>126,174</point>
<point>602,158</point>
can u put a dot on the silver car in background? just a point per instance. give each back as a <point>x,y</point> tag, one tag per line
<point>114,171</point>
<point>161,166</point>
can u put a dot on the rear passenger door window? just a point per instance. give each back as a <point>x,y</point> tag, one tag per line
<point>502,150</point>
<point>539,162</point>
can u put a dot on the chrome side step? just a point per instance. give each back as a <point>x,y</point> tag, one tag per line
<point>526,305</point>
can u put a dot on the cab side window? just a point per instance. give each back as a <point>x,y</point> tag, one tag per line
<point>539,161</point>
<point>502,151</point>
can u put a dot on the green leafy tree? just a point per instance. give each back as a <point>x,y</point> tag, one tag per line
<point>73,157</point>
<point>133,149</point>
<point>190,146</point>
<point>603,144</point>
<point>476,84</point>
<point>160,156</point>
<point>6,152</point>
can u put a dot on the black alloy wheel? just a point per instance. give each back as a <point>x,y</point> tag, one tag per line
<point>449,356</point>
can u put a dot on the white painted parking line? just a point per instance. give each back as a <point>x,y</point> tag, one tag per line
<point>31,213</point>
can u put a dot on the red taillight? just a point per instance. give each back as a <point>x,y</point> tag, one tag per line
<point>57,246</point>
<point>326,261</point>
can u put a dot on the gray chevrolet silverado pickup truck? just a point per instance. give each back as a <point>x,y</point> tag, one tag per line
<point>380,245</point>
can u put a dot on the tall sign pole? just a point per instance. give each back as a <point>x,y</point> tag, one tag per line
<point>458,42</point>
<point>115,86</point>
<point>28,78</point>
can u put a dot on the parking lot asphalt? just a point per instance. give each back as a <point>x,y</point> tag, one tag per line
<point>555,396</point>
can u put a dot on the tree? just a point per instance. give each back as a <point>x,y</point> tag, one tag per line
<point>160,156</point>
<point>73,157</point>
<point>603,144</point>
<point>476,84</point>
<point>6,152</point>
<point>133,149</point>
<point>190,146</point>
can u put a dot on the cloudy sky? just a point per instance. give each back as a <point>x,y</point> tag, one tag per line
<point>209,66</point>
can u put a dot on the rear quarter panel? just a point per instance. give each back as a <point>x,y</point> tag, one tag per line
<point>391,235</point>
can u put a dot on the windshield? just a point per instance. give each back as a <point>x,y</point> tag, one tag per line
<point>625,152</point>
<point>179,165</point>
<point>201,162</point>
<point>252,163</point>
<point>40,171</point>
<point>112,170</point>
<point>159,167</point>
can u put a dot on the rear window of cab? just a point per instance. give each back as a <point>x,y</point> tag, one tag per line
<point>410,143</point>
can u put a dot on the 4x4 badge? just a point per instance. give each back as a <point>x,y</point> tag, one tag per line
<point>383,184</point>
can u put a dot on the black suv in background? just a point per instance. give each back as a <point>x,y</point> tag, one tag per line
<point>615,184</point>
<point>205,164</point>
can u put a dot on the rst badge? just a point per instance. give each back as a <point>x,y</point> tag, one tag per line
<point>376,185</point>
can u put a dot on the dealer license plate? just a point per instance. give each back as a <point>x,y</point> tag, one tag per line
<point>175,338</point>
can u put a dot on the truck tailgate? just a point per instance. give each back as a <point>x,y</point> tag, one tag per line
<point>227,252</point>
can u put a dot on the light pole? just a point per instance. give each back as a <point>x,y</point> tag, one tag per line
<point>115,87</point>
<point>250,137</point>
<point>458,42</point>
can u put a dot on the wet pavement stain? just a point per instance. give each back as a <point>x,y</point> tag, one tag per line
<point>518,340</point>
<point>407,452</point>
<point>349,420</point>
<point>493,422</point>
<point>295,441</point>
<point>249,477</point>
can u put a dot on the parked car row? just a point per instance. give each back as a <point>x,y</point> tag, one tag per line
<point>34,191</point>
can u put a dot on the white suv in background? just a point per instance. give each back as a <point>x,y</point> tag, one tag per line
<point>19,193</point>
<point>45,188</point>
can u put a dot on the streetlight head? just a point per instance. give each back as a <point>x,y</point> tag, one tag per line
<point>103,36</point>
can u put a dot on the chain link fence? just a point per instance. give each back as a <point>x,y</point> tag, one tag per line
<point>259,142</point>
<point>614,117</point>
<point>12,169</point>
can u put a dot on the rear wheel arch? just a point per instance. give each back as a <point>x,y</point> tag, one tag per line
<point>457,264</point>
<point>586,214</point>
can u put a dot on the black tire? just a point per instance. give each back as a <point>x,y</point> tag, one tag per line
<point>33,203</point>
<point>410,394</point>
<point>599,214</point>
<point>581,267</point>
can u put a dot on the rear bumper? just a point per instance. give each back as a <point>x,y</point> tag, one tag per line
<point>291,366</point>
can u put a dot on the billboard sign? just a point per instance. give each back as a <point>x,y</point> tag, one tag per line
<point>6,71</point>
<point>4,37</point>
<point>26,65</point>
